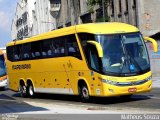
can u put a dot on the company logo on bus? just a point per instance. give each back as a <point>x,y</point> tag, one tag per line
<point>23,66</point>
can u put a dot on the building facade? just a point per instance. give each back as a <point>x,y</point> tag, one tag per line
<point>22,22</point>
<point>142,13</point>
<point>43,20</point>
<point>32,17</point>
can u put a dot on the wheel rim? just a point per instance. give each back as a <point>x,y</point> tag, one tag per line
<point>22,90</point>
<point>31,91</point>
<point>85,93</point>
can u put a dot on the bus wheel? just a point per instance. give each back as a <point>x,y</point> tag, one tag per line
<point>84,93</point>
<point>30,90</point>
<point>23,90</point>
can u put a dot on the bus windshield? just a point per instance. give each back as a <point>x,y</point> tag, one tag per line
<point>2,66</point>
<point>124,54</point>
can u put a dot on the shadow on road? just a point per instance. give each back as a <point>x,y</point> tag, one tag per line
<point>94,100</point>
<point>11,105</point>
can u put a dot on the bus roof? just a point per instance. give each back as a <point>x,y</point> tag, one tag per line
<point>94,28</point>
<point>106,28</point>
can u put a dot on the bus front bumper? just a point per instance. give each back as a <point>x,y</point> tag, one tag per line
<point>112,90</point>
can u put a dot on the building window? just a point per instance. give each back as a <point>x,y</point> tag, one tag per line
<point>126,7</point>
<point>79,5</point>
<point>119,8</point>
<point>112,8</point>
<point>134,4</point>
<point>55,3</point>
<point>59,27</point>
<point>68,24</point>
<point>25,1</point>
<point>86,18</point>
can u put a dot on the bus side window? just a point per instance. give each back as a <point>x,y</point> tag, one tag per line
<point>25,52</point>
<point>16,57</point>
<point>10,54</point>
<point>94,61</point>
<point>37,54</point>
<point>17,52</point>
<point>49,52</point>
<point>44,54</point>
<point>59,47</point>
<point>72,47</point>
<point>26,55</point>
<point>36,50</point>
<point>33,55</point>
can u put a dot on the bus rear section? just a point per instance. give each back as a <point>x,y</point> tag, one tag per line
<point>3,74</point>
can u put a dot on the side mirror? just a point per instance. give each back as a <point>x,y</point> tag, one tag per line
<point>98,47</point>
<point>154,43</point>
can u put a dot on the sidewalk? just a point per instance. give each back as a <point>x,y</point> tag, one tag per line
<point>156,82</point>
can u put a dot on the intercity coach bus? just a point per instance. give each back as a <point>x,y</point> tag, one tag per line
<point>94,59</point>
<point>3,74</point>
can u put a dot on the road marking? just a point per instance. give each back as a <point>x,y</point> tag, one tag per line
<point>155,97</point>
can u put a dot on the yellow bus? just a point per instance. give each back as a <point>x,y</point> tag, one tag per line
<point>94,59</point>
<point>3,74</point>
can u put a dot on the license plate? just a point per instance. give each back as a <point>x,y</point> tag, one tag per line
<point>132,89</point>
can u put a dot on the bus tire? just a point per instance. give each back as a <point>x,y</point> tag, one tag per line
<point>23,90</point>
<point>84,93</point>
<point>31,91</point>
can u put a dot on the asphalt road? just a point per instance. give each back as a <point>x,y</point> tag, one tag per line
<point>48,104</point>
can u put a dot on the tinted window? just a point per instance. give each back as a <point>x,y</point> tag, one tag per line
<point>2,66</point>
<point>72,47</point>
<point>47,48</point>
<point>26,51</point>
<point>53,47</point>
<point>84,37</point>
<point>59,46</point>
<point>36,50</point>
<point>10,53</point>
<point>92,57</point>
<point>17,51</point>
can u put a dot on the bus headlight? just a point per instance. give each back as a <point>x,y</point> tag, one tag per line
<point>149,78</point>
<point>127,83</point>
<point>109,82</point>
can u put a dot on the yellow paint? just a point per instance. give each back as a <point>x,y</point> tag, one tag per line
<point>154,43</point>
<point>98,47</point>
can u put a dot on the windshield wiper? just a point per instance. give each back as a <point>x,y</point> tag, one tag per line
<point>128,59</point>
<point>133,60</point>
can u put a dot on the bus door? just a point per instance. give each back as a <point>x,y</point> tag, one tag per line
<point>75,66</point>
<point>94,63</point>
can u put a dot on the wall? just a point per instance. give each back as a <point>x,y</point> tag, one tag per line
<point>149,17</point>
<point>123,11</point>
<point>43,20</point>
<point>18,32</point>
<point>154,59</point>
